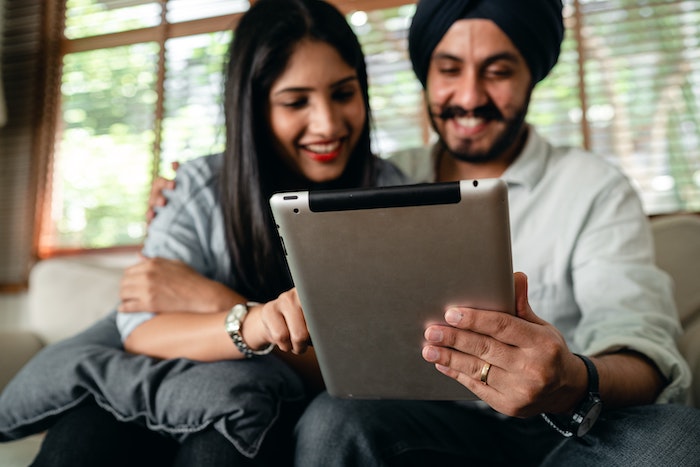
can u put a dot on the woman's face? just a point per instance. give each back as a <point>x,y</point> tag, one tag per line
<point>316,111</point>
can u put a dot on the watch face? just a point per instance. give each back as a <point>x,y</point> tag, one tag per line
<point>235,317</point>
<point>589,417</point>
<point>239,312</point>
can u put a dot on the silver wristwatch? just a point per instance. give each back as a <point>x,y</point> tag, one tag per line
<point>234,324</point>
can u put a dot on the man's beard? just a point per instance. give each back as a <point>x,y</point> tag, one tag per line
<point>506,140</point>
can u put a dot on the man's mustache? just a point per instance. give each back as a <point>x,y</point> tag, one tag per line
<point>487,112</point>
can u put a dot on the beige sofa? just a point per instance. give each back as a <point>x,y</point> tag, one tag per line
<point>66,295</point>
<point>677,239</point>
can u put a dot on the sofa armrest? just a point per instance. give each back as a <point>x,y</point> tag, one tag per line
<point>16,348</point>
<point>689,345</point>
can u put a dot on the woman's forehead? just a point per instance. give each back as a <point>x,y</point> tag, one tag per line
<point>313,64</point>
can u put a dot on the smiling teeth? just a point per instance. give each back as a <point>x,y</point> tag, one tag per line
<point>469,122</point>
<point>323,148</point>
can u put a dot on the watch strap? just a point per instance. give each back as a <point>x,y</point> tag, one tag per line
<point>580,421</point>
<point>234,325</point>
<point>593,379</point>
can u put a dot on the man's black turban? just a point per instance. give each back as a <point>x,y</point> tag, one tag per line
<point>535,27</point>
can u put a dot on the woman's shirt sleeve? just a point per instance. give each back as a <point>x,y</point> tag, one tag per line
<point>189,228</point>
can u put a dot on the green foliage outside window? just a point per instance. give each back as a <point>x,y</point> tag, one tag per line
<point>102,167</point>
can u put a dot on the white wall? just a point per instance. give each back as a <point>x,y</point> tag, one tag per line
<point>13,310</point>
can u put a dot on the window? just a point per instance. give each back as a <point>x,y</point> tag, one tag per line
<point>141,89</point>
<point>144,89</point>
<point>641,82</point>
<point>140,86</point>
<point>21,39</point>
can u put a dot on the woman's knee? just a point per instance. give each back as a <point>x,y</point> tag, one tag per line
<point>326,415</point>
<point>89,435</point>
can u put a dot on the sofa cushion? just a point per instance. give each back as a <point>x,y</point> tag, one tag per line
<point>677,243</point>
<point>239,398</point>
<point>16,348</point>
<point>69,294</point>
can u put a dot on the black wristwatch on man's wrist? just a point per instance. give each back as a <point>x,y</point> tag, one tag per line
<point>587,412</point>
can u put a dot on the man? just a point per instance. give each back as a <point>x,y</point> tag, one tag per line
<point>598,324</point>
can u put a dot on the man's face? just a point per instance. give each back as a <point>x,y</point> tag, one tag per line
<point>478,91</point>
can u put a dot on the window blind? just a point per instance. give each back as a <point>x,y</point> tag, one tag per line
<point>395,93</point>
<point>641,64</point>
<point>20,63</point>
<point>3,106</point>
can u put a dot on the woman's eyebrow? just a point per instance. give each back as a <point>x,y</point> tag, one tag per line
<point>337,84</point>
<point>343,81</point>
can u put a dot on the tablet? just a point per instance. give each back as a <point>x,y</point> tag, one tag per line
<point>374,266</point>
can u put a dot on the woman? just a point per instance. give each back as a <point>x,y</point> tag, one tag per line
<point>297,117</point>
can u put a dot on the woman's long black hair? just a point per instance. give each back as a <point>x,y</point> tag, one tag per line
<point>263,43</point>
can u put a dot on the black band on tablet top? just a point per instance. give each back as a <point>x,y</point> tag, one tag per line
<point>423,194</point>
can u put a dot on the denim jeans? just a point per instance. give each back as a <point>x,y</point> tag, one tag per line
<point>339,432</point>
<point>89,436</point>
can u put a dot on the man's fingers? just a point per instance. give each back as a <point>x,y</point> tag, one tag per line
<point>129,306</point>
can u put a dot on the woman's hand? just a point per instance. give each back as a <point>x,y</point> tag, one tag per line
<point>162,285</point>
<point>283,323</point>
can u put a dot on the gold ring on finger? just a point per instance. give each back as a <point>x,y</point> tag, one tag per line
<point>485,373</point>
